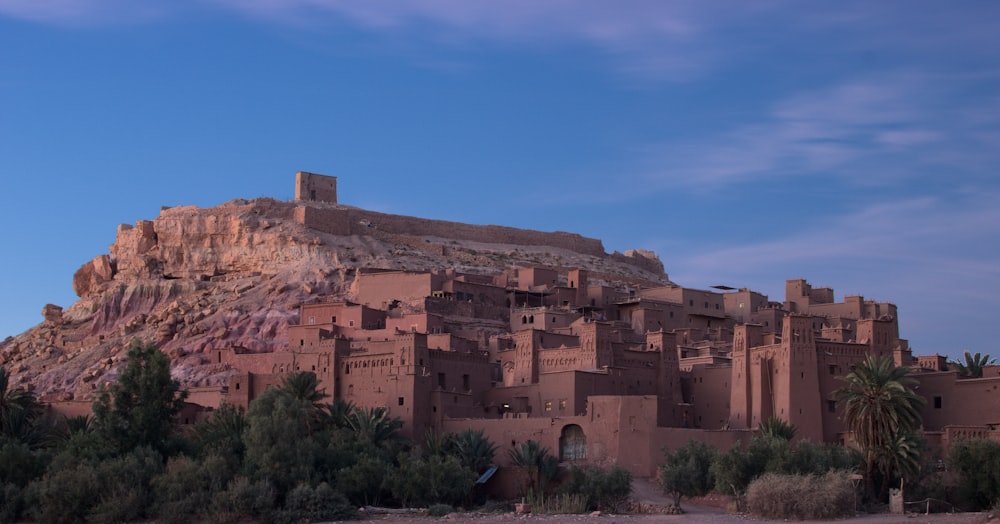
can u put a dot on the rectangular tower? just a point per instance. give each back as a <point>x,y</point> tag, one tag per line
<point>315,188</point>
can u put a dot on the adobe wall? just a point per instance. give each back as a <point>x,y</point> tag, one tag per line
<point>710,394</point>
<point>351,221</point>
<point>974,401</point>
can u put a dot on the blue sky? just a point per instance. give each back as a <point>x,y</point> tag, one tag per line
<point>854,144</point>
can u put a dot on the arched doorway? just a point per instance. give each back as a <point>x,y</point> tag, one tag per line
<point>572,444</point>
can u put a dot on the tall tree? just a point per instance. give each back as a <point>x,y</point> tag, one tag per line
<point>972,366</point>
<point>140,408</point>
<point>882,410</point>
<point>687,471</point>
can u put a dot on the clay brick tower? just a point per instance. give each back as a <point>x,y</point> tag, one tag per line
<point>315,188</point>
<point>745,337</point>
<point>882,336</point>
<point>577,278</point>
<point>797,395</point>
<point>668,380</point>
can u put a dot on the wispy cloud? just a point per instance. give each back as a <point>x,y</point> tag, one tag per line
<point>881,129</point>
<point>85,12</point>
<point>935,257</point>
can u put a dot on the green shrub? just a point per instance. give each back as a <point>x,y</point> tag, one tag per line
<point>186,488</point>
<point>602,489</point>
<point>18,463</point>
<point>801,497</point>
<point>244,499</point>
<point>363,483</point>
<point>979,485</point>
<point>11,502</point>
<point>317,504</point>
<point>64,495</point>
<point>735,469</point>
<point>420,481</point>
<point>125,484</point>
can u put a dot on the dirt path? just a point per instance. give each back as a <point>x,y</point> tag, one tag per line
<point>701,511</point>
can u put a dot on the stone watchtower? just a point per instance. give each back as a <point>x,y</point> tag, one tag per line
<point>316,188</point>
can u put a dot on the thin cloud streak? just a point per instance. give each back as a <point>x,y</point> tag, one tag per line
<point>893,125</point>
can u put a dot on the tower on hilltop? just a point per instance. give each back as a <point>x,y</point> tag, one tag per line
<point>315,188</point>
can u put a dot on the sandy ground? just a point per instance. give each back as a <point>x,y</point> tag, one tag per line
<point>646,493</point>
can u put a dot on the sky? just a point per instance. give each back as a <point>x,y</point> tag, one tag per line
<point>852,143</point>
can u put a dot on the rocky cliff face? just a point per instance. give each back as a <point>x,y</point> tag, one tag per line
<point>193,280</point>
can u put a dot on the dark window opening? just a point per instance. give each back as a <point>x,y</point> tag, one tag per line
<point>937,402</point>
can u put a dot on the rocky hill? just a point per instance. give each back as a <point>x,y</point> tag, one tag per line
<point>193,280</point>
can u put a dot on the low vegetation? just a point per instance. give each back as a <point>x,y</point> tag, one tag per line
<point>802,497</point>
<point>293,456</point>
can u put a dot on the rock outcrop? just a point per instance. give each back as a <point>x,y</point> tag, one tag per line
<point>193,280</point>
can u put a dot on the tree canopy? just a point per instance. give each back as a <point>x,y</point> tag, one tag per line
<point>139,409</point>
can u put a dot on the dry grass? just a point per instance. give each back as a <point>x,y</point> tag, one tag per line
<point>801,497</point>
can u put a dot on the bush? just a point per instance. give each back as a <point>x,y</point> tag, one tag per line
<point>439,510</point>
<point>605,490</point>
<point>735,469</point>
<point>125,486</point>
<point>11,502</point>
<point>186,488</point>
<point>64,495</point>
<point>979,486</point>
<point>435,479</point>
<point>801,497</point>
<point>244,500</point>
<point>317,504</point>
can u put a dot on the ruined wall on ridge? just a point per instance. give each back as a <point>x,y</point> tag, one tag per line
<point>349,221</point>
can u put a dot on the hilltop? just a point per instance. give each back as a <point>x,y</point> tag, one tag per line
<point>232,276</point>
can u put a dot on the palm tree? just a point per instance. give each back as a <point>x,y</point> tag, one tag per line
<point>223,433</point>
<point>19,410</point>
<point>303,385</point>
<point>337,414</point>
<point>973,365</point>
<point>374,425</point>
<point>472,448</point>
<point>538,465</point>
<point>777,428</point>
<point>880,408</point>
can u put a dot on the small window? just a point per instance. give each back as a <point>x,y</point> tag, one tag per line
<point>350,323</point>
<point>562,405</point>
<point>831,406</point>
<point>833,369</point>
<point>548,405</point>
<point>400,401</point>
<point>937,402</point>
<point>441,380</point>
